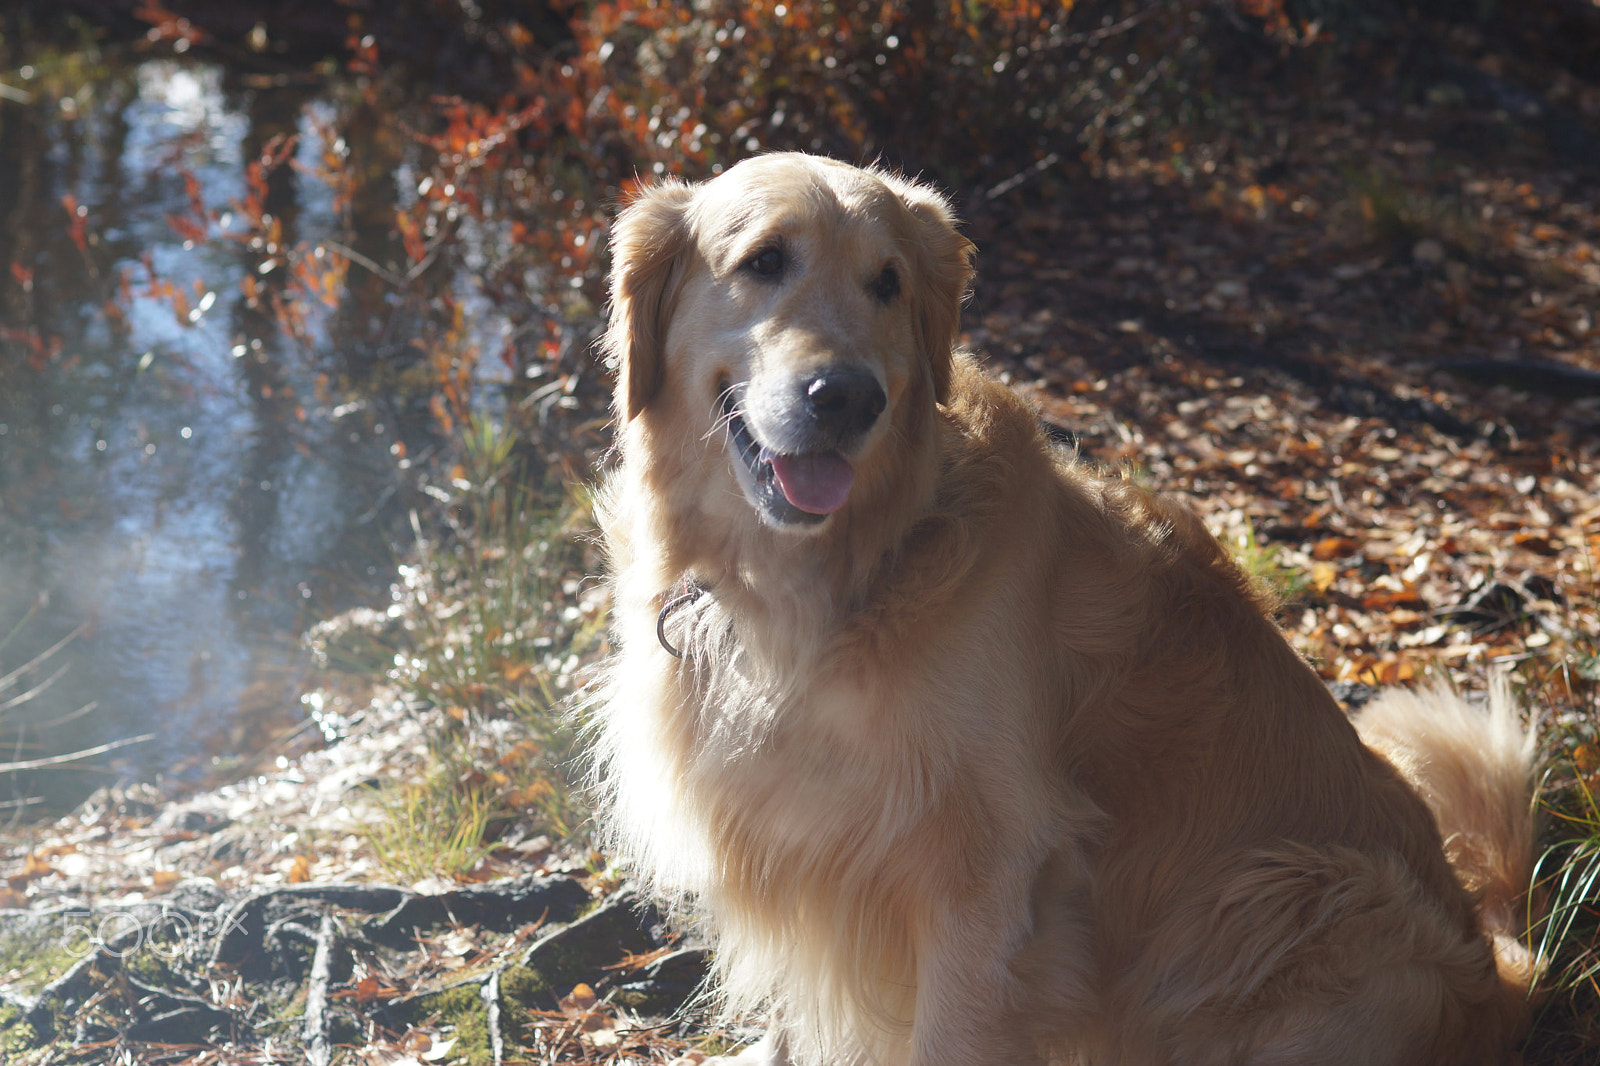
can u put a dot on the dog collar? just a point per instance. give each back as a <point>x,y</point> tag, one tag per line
<point>688,592</point>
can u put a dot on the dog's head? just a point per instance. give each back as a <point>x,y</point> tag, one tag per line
<point>782,327</point>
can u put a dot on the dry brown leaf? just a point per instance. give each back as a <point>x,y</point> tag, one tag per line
<point>580,999</point>
<point>581,1007</point>
<point>417,1041</point>
<point>1537,543</point>
<point>369,988</point>
<point>33,868</point>
<point>1382,599</point>
<point>1333,548</point>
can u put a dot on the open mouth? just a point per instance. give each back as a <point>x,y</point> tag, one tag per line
<point>793,489</point>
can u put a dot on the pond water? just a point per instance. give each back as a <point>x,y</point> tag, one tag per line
<point>184,484</point>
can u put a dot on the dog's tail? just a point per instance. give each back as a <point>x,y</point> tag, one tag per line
<point>1474,768</point>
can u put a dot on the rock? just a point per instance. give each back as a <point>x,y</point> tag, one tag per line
<point>502,906</point>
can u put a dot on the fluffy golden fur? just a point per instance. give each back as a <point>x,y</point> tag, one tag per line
<point>998,761</point>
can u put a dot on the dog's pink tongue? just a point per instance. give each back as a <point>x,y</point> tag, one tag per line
<point>818,483</point>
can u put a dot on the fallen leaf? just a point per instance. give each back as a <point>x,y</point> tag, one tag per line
<point>33,868</point>
<point>439,1050</point>
<point>1333,548</point>
<point>580,1007</point>
<point>581,998</point>
<point>1537,543</point>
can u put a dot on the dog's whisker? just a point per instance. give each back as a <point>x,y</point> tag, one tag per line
<point>723,424</point>
<point>722,413</point>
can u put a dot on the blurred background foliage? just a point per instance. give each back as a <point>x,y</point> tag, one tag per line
<point>528,121</point>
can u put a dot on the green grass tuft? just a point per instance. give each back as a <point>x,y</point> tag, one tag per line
<point>1565,933</point>
<point>493,629</point>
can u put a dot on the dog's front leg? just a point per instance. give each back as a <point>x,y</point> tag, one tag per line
<point>971,1006</point>
<point>1004,976</point>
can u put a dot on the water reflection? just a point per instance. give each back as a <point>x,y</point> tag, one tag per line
<point>187,484</point>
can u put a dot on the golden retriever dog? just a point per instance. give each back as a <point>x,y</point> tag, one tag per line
<point>963,754</point>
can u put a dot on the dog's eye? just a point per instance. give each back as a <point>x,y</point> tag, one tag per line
<point>767,263</point>
<point>886,286</point>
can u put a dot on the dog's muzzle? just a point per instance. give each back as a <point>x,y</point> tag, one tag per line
<point>799,474</point>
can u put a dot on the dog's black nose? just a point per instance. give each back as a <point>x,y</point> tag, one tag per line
<point>845,400</point>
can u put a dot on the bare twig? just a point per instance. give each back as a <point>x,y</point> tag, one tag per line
<point>72,756</point>
<point>362,261</point>
<point>491,1009</point>
<point>314,1034</point>
<point>11,677</point>
<point>23,697</point>
<point>1017,179</point>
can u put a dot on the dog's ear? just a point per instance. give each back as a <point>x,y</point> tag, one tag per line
<point>648,241</point>
<point>944,268</point>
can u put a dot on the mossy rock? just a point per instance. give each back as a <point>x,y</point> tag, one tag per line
<point>17,1034</point>
<point>460,1009</point>
<point>588,950</point>
<point>662,988</point>
<point>611,931</point>
<point>38,948</point>
<point>522,992</point>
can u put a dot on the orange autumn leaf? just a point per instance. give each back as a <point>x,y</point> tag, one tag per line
<point>368,989</point>
<point>579,1006</point>
<point>1333,548</point>
<point>580,1000</point>
<point>1537,543</point>
<point>33,868</point>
